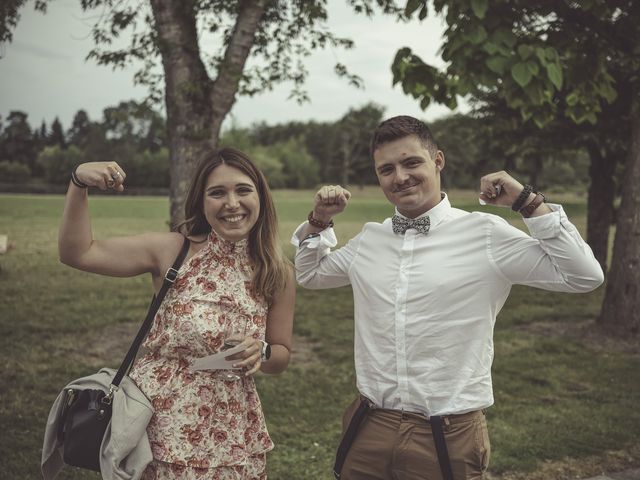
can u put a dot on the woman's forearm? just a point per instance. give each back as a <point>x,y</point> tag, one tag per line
<point>278,361</point>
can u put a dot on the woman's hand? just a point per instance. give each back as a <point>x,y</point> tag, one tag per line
<point>250,358</point>
<point>103,175</point>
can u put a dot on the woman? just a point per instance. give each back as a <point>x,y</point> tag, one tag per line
<point>206,425</point>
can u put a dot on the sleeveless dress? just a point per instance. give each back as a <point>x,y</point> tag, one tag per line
<point>204,425</point>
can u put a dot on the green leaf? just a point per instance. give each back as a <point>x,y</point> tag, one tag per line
<point>533,67</point>
<point>412,6</point>
<point>525,51</point>
<point>504,36</point>
<point>498,65</point>
<point>478,36</point>
<point>534,92</point>
<point>491,48</point>
<point>521,74</point>
<point>479,7</point>
<point>551,54</point>
<point>424,103</point>
<point>555,74</point>
<point>572,98</point>
<point>608,92</point>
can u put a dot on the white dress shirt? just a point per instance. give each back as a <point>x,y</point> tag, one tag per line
<point>425,305</point>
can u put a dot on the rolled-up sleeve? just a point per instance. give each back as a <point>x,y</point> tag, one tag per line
<point>554,257</point>
<point>317,266</point>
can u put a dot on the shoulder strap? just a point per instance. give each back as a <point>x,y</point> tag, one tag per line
<point>169,278</point>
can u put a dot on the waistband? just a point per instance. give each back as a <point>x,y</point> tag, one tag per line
<point>420,417</point>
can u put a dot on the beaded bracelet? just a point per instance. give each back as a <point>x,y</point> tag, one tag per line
<point>524,194</point>
<point>535,203</point>
<point>317,223</point>
<point>76,181</point>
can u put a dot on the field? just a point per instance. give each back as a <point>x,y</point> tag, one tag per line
<point>566,398</point>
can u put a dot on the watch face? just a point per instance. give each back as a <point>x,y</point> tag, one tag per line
<point>267,351</point>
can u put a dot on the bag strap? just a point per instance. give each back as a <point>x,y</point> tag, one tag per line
<point>169,278</point>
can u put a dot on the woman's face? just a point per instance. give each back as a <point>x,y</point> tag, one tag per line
<point>231,203</point>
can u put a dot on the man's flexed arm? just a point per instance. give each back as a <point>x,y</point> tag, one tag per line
<point>316,265</point>
<point>328,202</point>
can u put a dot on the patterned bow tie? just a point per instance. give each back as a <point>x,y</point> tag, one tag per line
<point>401,224</point>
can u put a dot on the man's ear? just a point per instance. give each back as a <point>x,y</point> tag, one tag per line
<point>439,160</point>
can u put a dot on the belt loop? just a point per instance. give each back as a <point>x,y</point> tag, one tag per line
<point>446,421</point>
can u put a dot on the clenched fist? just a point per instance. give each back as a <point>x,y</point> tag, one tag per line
<point>329,201</point>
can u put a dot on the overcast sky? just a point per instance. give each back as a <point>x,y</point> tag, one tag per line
<point>44,73</point>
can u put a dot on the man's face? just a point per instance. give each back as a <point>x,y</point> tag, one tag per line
<point>408,175</point>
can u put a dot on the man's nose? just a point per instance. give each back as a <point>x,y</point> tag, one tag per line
<point>401,176</point>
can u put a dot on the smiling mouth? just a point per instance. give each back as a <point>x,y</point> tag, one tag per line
<point>405,188</point>
<point>233,219</point>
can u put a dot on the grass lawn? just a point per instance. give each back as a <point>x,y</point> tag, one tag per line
<point>566,398</point>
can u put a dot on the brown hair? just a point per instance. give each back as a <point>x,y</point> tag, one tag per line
<point>402,126</point>
<point>271,267</point>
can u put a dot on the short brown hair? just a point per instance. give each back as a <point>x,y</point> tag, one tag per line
<point>271,270</point>
<point>402,126</point>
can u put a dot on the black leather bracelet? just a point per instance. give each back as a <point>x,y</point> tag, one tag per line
<point>524,194</point>
<point>76,181</point>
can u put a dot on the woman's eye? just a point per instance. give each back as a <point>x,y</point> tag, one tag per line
<point>216,193</point>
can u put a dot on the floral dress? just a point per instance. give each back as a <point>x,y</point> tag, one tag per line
<point>204,424</point>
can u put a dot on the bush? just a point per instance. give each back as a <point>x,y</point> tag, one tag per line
<point>14,172</point>
<point>148,169</point>
<point>57,163</point>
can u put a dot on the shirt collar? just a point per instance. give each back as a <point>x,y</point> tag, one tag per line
<point>437,213</point>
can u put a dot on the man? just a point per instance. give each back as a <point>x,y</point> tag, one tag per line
<point>427,287</point>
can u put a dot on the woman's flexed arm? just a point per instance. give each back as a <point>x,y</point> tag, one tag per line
<point>118,256</point>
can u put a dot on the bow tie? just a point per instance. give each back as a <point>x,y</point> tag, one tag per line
<point>402,224</point>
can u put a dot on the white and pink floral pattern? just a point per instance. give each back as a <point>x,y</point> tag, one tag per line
<point>202,420</point>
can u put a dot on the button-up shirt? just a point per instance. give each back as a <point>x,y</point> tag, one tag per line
<point>425,305</point>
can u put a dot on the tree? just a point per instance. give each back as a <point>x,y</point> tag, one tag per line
<point>353,142</point>
<point>9,16</point>
<point>549,60</point>
<point>199,87</point>
<point>56,135</point>
<point>16,142</point>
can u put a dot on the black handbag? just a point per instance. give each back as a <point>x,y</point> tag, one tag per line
<point>87,412</point>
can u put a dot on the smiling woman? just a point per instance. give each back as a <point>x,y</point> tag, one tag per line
<point>207,423</point>
<point>231,203</point>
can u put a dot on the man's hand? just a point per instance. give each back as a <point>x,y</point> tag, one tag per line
<point>500,189</point>
<point>330,201</point>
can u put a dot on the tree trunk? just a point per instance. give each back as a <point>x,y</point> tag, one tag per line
<point>600,203</point>
<point>196,105</point>
<point>621,306</point>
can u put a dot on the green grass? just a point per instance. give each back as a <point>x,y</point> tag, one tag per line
<point>556,395</point>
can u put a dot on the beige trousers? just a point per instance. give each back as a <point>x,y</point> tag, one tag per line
<point>392,445</point>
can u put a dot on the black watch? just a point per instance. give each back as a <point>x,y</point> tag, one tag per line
<point>265,354</point>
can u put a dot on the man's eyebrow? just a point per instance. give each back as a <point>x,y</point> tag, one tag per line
<point>413,157</point>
